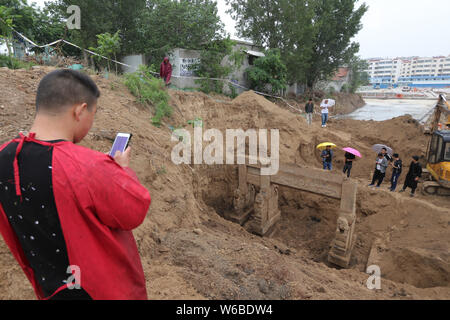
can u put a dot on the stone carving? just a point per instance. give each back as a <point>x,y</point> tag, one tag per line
<point>243,204</point>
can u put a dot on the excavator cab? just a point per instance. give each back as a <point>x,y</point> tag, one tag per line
<point>438,167</point>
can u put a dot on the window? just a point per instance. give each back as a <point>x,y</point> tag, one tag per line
<point>447,152</point>
<point>440,149</point>
<point>433,146</point>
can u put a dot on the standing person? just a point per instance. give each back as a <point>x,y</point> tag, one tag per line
<point>413,176</point>
<point>349,158</point>
<point>309,109</point>
<point>386,155</point>
<point>166,71</point>
<point>396,172</point>
<point>67,209</point>
<point>327,158</point>
<point>380,170</point>
<point>325,113</point>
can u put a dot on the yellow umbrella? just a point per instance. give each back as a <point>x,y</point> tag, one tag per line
<point>326,144</point>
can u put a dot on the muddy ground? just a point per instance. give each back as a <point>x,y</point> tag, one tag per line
<point>190,252</point>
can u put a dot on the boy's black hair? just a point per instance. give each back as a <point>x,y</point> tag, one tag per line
<point>396,155</point>
<point>63,88</point>
<point>416,158</point>
<point>384,149</point>
<point>380,154</point>
<point>310,99</point>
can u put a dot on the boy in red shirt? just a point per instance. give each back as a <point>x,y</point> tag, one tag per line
<point>66,212</point>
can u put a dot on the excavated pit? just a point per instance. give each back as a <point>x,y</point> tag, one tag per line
<point>308,224</point>
<point>308,221</point>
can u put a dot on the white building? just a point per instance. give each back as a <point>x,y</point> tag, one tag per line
<point>431,72</point>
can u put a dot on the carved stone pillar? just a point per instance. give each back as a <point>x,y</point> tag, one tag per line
<point>342,245</point>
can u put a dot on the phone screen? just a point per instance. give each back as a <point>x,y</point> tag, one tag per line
<point>121,143</point>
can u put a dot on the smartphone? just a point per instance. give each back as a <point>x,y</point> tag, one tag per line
<point>121,143</point>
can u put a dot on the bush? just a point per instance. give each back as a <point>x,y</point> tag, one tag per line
<point>268,72</point>
<point>149,90</point>
<point>13,63</point>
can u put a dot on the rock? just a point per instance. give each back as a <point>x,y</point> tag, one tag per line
<point>283,249</point>
<point>198,231</point>
<point>321,290</point>
<point>263,286</point>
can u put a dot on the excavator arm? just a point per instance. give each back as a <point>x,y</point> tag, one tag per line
<point>442,108</point>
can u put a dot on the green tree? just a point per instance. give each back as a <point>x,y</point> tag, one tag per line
<point>38,25</point>
<point>102,16</point>
<point>6,25</point>
<point>314,36</point>
<point>268,71</point>
<point>335,23</point>
<point>358,76</point>
<point>168,24</point>
<point>153,27</point>
<point>108,46</point>
<point>281,24</point>
<point>23,14</point>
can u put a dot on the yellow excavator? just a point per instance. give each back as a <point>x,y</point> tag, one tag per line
<point>437,172</point>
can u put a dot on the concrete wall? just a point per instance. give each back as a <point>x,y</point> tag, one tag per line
<point>182,61</point>
<point>134,61</point>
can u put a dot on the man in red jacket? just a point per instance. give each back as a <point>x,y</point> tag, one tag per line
<point>166,71</point>
<point>66,212</point>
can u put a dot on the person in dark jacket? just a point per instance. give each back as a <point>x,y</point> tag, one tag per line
<point>386,154</point>
<point>309,109</point>
<point>166,71</point>
<point>413,176</point>
<point>327,158</point>
<point>349,158</point>
<point>396,172</point>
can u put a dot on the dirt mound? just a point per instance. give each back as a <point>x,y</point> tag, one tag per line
<point>190,252</point>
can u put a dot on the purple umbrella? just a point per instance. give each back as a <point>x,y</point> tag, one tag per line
<point>378,147</point>
<point>353,151</point>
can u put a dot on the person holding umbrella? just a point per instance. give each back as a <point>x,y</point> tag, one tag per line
<point>328,103</point>
<point>350,156</point>
<point>385,153</point>
<point>327,154</point>
<point>380,170</point>
<point>327,158</point>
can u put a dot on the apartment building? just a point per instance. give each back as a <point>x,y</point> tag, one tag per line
<point>419,72</point>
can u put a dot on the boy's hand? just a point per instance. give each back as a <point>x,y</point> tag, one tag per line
<point>123,159</point>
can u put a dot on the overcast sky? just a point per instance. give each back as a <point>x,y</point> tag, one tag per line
<point>392,27</point>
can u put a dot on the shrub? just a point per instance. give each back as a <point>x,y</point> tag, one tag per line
<point>149,90</point>
<point>268,72</point>
<point>13,63</point>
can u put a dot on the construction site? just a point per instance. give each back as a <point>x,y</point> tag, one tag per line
<point>229,232</point>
